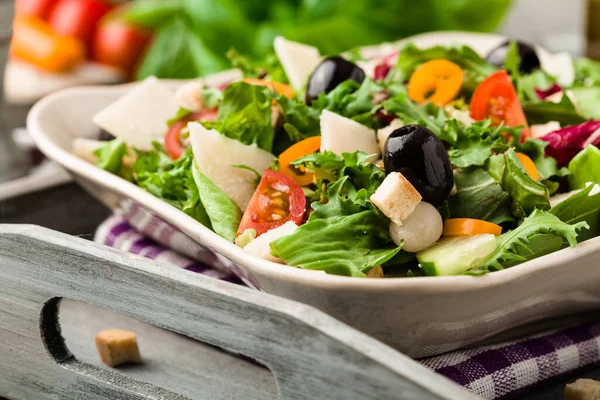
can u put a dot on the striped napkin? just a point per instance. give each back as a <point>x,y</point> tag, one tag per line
<point>500,371</point>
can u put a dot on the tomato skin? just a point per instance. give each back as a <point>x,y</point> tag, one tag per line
<point>496,98</point>
<point>119,44</point>
<point>173,137</point>
<point>276,194</point>
<point>34,8</point>
<point>78,18</point>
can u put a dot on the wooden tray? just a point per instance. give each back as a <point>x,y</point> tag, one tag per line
<point>310,355</point>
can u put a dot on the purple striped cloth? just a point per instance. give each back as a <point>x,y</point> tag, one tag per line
<point>500,371</point>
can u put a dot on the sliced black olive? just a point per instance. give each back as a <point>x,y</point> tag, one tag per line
<point>329,73</point>
<point>420,156</point>
<point>105,136</point>
<point>529,58</point>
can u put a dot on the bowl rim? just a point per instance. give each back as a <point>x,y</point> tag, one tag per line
<point>318,279</point>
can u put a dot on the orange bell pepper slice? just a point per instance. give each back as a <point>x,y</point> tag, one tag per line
<point>469,227</point>
<point>436,81</point>
<point>277,87</point>
<point>34,41</point>
<point>300,149</point>
<point>529,166</point>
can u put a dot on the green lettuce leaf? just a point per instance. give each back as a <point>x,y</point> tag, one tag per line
<point>587,72</point>
<point>345,236</point>
<point>351,100</point>
<point>508,171</point>
<point>110,158</point>
<point>588,101</point>
<point>527,84</point>
<point>223,213</point>
<point>299,122</point>
<point>526,241</point>
<point>479,196</point>
<point>584,168</point>
<point>581,206</point>
<point>476,68</point>
<point>171,181</point>
<point>564,112</point>
<point>245,115</point>
<point>427,115</point>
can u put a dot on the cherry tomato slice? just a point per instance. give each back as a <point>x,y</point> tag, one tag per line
<point>300,149</point>
<point>277,200</point>
<point>78,18</point>
<point>173,137</point>
<point>436,81</point>
<point>277,87</point>
<point>34,8</point>
<point>469,227</point>
<point>119,44</point>
<point>529,166</point>
<point>496,98</point>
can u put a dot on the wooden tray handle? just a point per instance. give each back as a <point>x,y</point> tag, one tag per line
<point>311,355</point>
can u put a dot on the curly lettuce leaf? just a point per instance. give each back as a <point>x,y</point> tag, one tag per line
<point>479,196</point>
<point>245,115</point>
<point>352,100</point>
<point>587,72</point>
<point>476,68</point>
<point>171,181</point>
<point>427,115</point>
<point>299,122</point>
<point>531,239</point>
<point>581,206</point>
<point>508,171</point>
<point>346,236</point>
<point>223,213</point>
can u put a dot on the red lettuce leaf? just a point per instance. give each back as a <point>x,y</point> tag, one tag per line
<point>542,94</point>
<point>566,142</point>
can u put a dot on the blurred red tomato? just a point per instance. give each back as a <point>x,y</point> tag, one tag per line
<point>119,44</point>
<point>78,18</point>
<point>34,8</point>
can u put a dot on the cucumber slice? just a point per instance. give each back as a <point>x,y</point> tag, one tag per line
<point>455,255</point>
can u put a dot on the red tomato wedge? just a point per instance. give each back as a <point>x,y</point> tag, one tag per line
<point>78,18</point>
<point>173,137</point>
<point>34,8</point>
<point>277,200</point>
<point>119,44</point>
<point>496,98</point>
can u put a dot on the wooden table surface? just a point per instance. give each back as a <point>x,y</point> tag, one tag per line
<point>69,209</point>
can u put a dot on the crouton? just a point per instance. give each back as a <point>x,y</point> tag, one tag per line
<point>397,198</point>
<point>117,347</point>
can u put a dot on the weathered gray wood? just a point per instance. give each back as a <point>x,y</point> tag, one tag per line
<point>311,355</point>
<point>171,361</point>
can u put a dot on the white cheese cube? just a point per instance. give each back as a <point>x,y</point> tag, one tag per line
<point>215,155</point>
<point>383,133</point>
<point>397,198</point>
<point>343,135</point>
<point>140,117</point>
<point>261,245</point>
<point>298,60</point>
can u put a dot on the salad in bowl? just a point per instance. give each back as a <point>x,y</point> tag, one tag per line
<point>423,162</point>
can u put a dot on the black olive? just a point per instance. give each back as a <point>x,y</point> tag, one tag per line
<point>329,73</point>
<point>529,58</point>
<point>105,136</point>
<point>419,155</point>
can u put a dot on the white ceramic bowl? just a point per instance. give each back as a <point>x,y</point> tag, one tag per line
<point>419,316</point>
